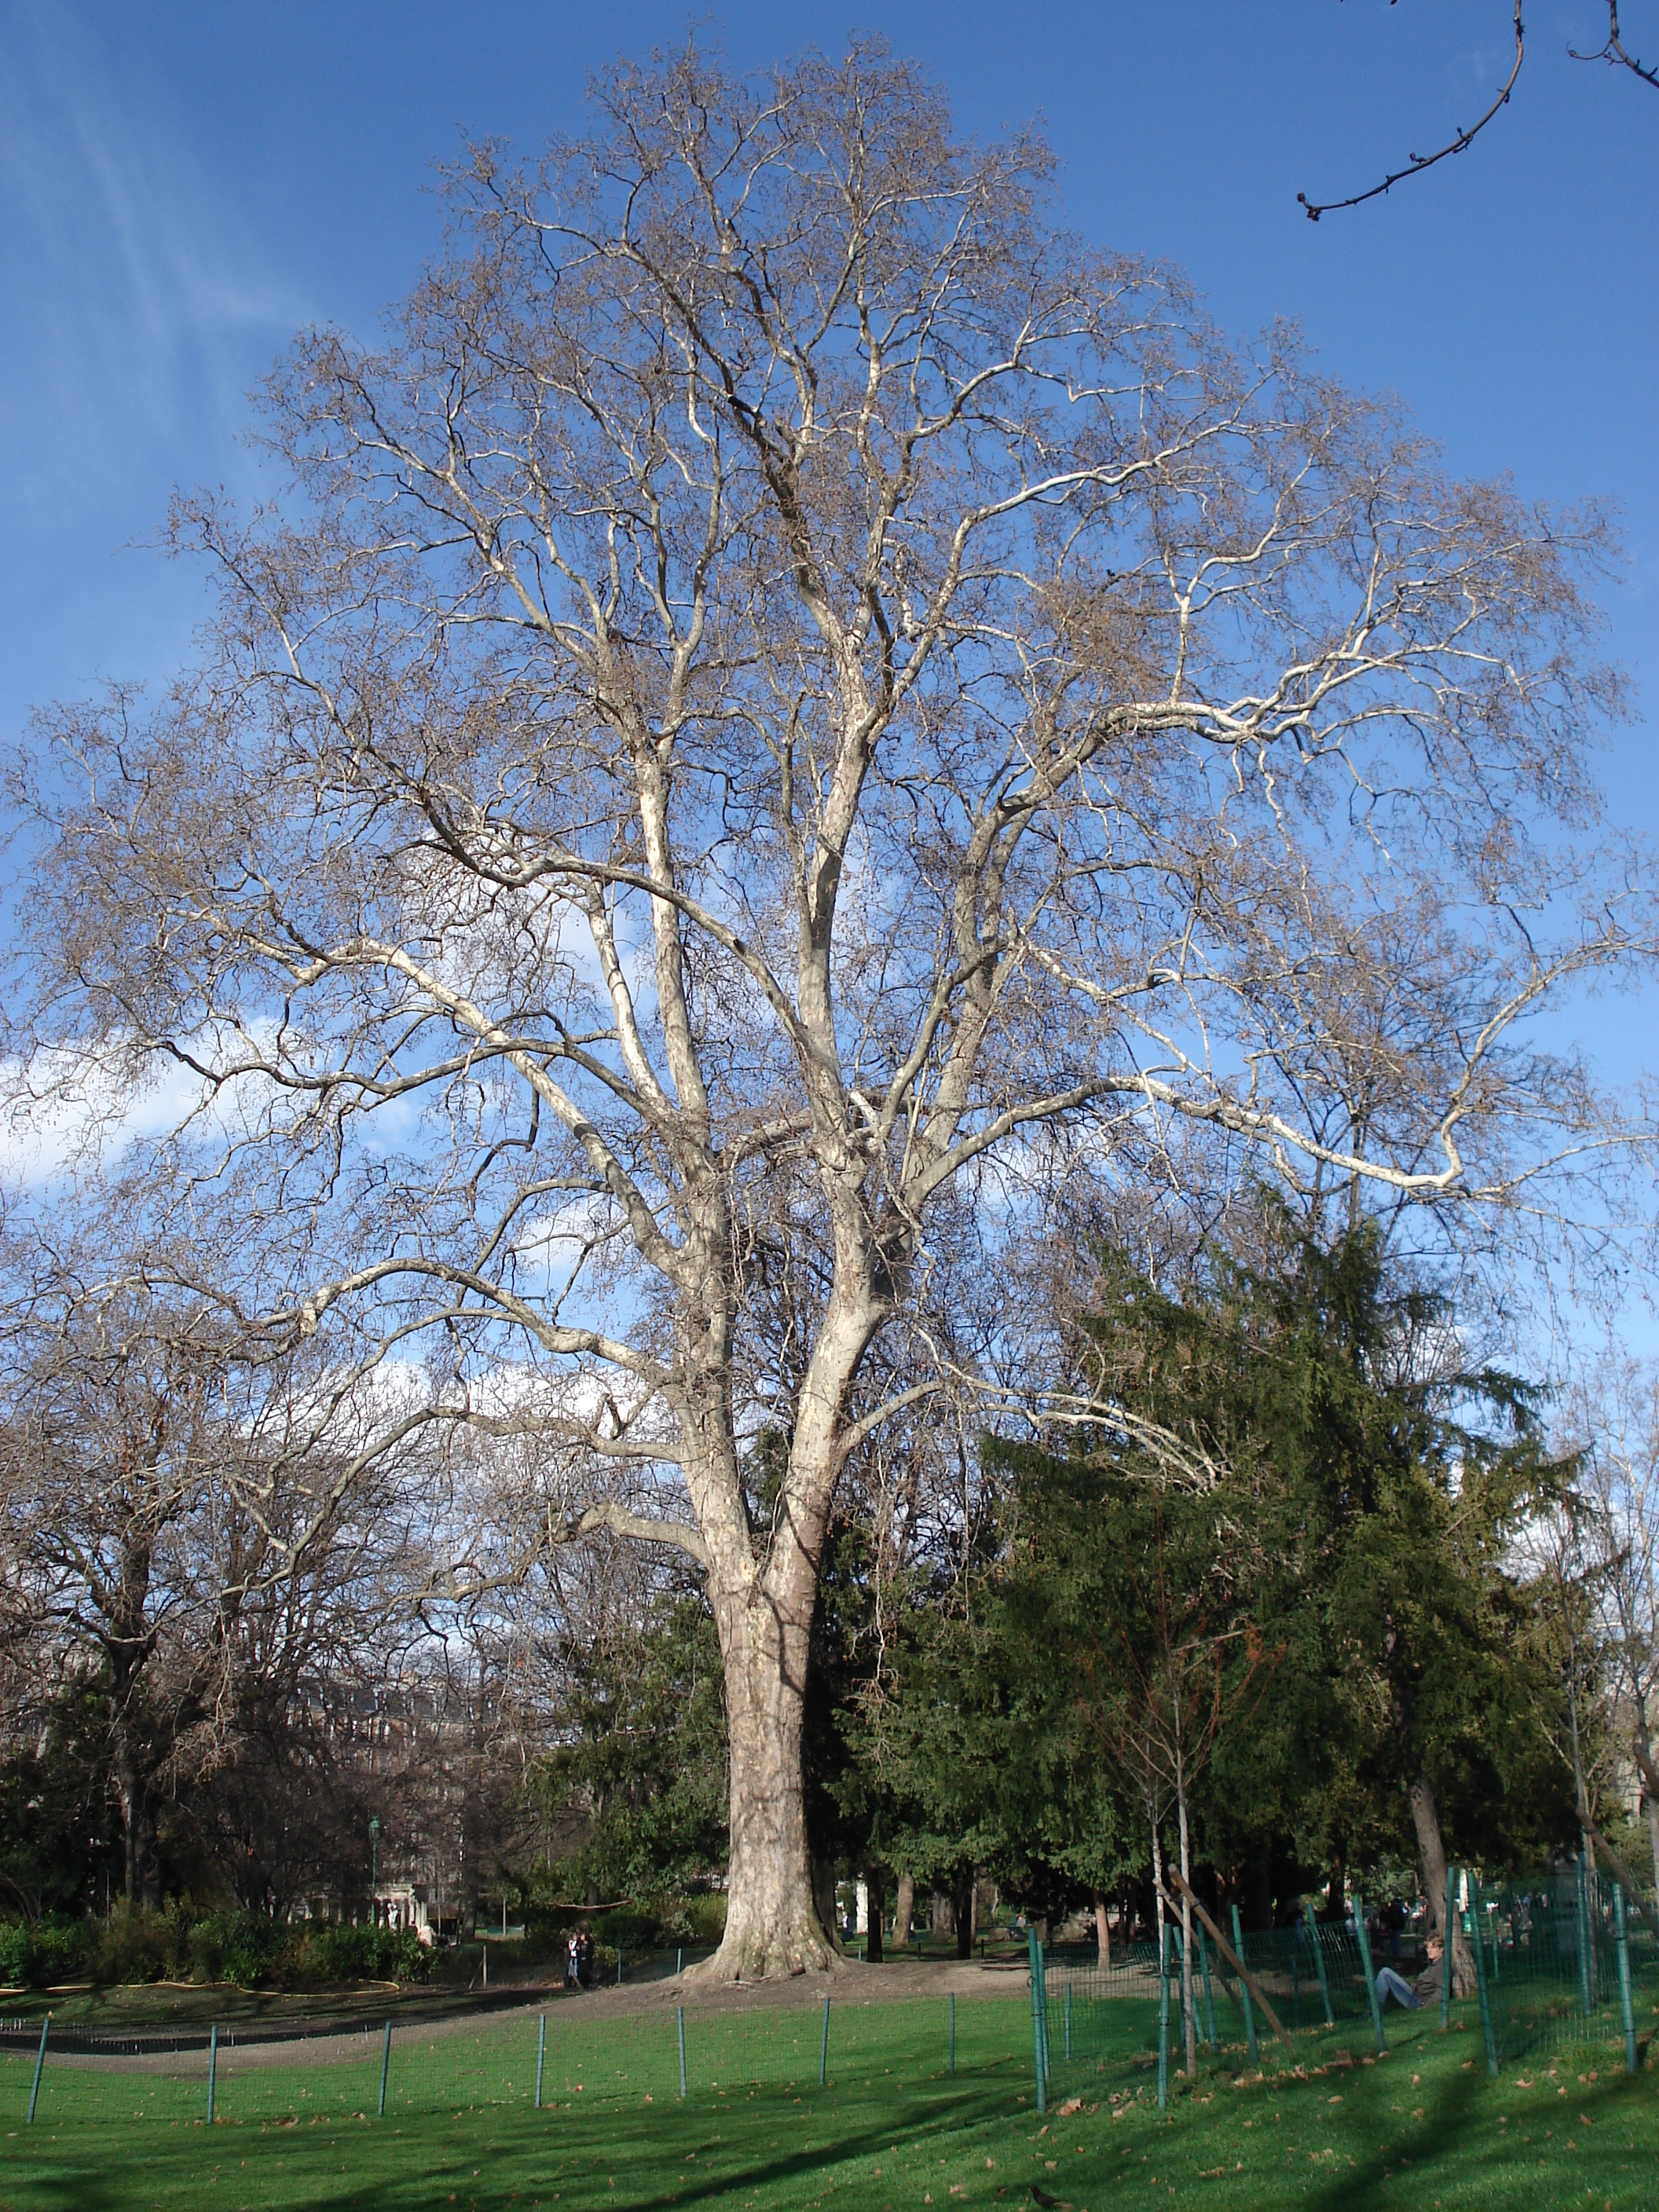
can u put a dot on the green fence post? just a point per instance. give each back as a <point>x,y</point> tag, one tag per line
<point>1164,2017</point>
<point>385,2069</point>
<point>1448,1949</point>
<point>1209,1993</point>
<point>1296,1989</point>
<point>39,2061</point>
<point>619,1965</point>
<point>679,1960</point>
<point>1585,1992</point>
<point>953,2031</point>
<point>541,2057</point>
<point>1366,1961</point>
<point>1482,1987</point>
<point>1244,1992</point>
<point>1039,2055</point>
<point>1319,1961</point>
<point>1621,1933</point>
<point>213,2066</point>
<point>1068,2023</point>
<point>681,2023</point>
<point>823,2047</point>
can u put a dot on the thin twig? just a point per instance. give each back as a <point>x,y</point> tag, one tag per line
<point>1614,52</point>
<point>1416,163</point>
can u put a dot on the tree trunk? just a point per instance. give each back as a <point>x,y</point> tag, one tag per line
<point>1645,1750</point>
<point>1336,1895</point>
<point>1431,1864</point>
<point>127,1648</point>
<point>132,1794</point>
<point>772,1919</point>
<point>1643,1744</point>
<point>824,1899</point>
<point>1102,1932</point>
<point>962,1911</point>
<point>903,1910</point>
<point>875,1887</point>
<point>1188,2016</point>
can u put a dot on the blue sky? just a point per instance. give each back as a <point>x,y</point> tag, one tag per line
<point>181,184</point>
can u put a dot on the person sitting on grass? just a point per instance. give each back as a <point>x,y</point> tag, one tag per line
<point>1426,1989</point>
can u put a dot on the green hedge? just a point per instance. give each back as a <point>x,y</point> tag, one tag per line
<point>36,1954</point>
<point>244,1947</point>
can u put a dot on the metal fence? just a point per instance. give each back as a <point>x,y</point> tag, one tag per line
<point>1566,1958</point>
<point>1561,1958</point>
<point>549,2060</point>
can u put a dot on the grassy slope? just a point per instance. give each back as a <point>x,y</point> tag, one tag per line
<point>892,2132</point>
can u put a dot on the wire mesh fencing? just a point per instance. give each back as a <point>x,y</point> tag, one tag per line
<point>1567,1957</point>
<point>1562,1959</point>
<point>562,2058</point>
<point>1092,2024</point>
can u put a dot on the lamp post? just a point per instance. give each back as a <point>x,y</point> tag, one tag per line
<point>373,1868</point>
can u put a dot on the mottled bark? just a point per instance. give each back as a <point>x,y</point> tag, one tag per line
<point>1102,1932</point>
<point>1644,1760</point>
<point>903,1910</point>
<point>1431,1864</point>
<point>771,1922</point>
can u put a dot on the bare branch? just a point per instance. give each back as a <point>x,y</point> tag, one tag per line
<point>1459,143</point>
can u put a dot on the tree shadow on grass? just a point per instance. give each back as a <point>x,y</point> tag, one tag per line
<point>1445,2153</point>
<point>519,2152</point>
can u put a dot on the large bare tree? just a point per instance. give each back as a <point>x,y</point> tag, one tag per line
<point>791,701</point>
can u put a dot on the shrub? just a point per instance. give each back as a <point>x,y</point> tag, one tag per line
<point>134,1947</point>
<point>703,1917</point>
<point>342,1952</point>
<point>625,1931</point>
<point>248,1948</point>
<point>37,1953</point>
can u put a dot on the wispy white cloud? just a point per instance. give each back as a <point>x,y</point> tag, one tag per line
<point>147,298</point>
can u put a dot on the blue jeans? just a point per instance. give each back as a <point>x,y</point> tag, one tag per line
<point>1390,1985</point>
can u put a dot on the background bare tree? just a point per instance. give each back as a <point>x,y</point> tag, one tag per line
<point>1611,1420</point>
<point>188,1530</point>
<point>788,691</point>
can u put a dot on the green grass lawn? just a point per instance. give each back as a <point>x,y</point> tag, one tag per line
<point>893,2130</point>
